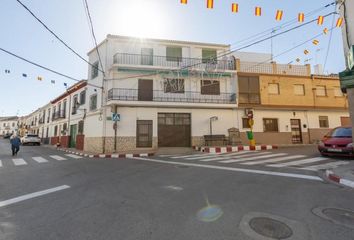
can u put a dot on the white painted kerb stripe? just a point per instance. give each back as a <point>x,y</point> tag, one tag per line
<point>32,195</point>
<point>0,163</point>
<point>292,175</point>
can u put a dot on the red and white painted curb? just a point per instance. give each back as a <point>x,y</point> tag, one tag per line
<point>331,176</point>
<point>234,149</point>
<point>122,155</point>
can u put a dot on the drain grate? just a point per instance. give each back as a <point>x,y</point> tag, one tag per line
<point>339,216</point>
<point>270,228</point>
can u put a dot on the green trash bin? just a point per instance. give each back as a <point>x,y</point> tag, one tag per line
<point>250,135</point>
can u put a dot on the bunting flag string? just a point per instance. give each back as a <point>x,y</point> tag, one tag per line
<point>25,75</point>
<point>210,4</point>
<point>183,1</point>
<point>258,11</point>
<point>339,22</point>
<point>315,42</point>
<point>279,15</point>
<point>325,31</point>
<point>234,8</point>
<point>301,17</point>
<point>320,20</point>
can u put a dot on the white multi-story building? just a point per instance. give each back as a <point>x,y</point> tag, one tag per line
<point>166,92</point>
<point>8,125</point>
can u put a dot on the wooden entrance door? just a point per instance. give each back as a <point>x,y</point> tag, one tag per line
<point>296,134</point>
<point>145,90</point>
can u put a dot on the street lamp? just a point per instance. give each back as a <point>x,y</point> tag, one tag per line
<point>212,119</point>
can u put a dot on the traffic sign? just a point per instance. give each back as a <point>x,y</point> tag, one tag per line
<point>116,117</point>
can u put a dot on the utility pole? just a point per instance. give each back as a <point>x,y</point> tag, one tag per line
<point>346,8</point>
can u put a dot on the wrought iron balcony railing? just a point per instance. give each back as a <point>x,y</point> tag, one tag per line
<point>58,115</point>
<point>124,94</point>
<point>227,63</point>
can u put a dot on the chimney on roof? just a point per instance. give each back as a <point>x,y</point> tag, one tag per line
<point>318,69</point>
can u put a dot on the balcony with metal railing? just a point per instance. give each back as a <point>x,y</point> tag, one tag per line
<point>124,94</point>
<point>58,115</point>
<point>165,62</point>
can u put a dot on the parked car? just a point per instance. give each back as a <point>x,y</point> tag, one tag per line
<point>338,142</point>
<point>31,139</point>
<point>7,135</point>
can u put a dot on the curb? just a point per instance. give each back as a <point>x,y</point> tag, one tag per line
<point>332,177</point>
<point>122,155</point>
<point>234,149</point>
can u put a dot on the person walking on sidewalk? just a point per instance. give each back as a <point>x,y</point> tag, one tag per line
<point>15,144</point>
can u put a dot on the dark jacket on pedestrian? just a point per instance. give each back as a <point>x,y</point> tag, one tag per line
<point>15,141</point>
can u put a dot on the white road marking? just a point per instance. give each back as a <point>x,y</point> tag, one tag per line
<point>32,195</point>
<point>73,156</point>
<point>19,161</point>
<point>175,188</point>
<point>57,157</point>
<point>233,156</point>
<point>279,159</point>
<point>294,163</point>
<point>280,174</point>
<point>253,158</point>
<point>325,166</point>
<point>197,155</point>
<point>0,163</point>
<point>40,159</point>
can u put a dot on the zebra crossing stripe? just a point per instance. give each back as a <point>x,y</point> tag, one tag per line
<point>300,162</point>
<point>230,157</point>
<point>73,156</point>
<point>56,157</point>
<point>19,161</point>
<point>325,166</point>
<point>202,155</point>
<point>39,159</point>
<point>0,163</point>
<point>279,159</point>
<point>253,158</point>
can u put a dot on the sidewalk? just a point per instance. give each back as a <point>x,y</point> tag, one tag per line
<point>343,175</point>
<point>133,153</point>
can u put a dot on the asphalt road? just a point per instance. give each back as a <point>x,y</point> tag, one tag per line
<point>154,198</point>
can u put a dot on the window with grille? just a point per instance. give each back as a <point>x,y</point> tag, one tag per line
<point>144,133</point>
<point>270,125</point>
<point>208,55</point>
<point>93,102</point>
<point>321,91</point>
<point>94,70</point>
<point>174,54</point>
<point>245,123</point>
<point>75,105</point>
<point>273,88</point>
<point>323,120</point>
<point>172,85</point>
<point>210,87</point>
<point>299,89</point>
<point>81,127</point>
<point>83,97</point>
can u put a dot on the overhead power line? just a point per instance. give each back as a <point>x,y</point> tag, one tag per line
<point>45,68</point>
<point>329,42</point>
<point>93,35</point>
<point>56,36</point>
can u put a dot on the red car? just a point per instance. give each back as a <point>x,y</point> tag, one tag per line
<point>338,142</point>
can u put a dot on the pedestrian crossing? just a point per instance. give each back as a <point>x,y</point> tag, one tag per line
<point>265,158</point>
<point>18,161</point>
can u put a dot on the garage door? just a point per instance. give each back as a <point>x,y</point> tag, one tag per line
<point>174,130</point>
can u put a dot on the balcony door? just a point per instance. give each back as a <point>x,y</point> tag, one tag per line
<point>147,56</point>
<point>145,90</point>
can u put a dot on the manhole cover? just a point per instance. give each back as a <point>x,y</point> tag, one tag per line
<point>270,228</point>
<point>339,216</point>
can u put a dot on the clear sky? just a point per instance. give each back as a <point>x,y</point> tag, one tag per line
<point>168,19</point>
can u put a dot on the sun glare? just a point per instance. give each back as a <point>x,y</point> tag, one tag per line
<point>140,19</point>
